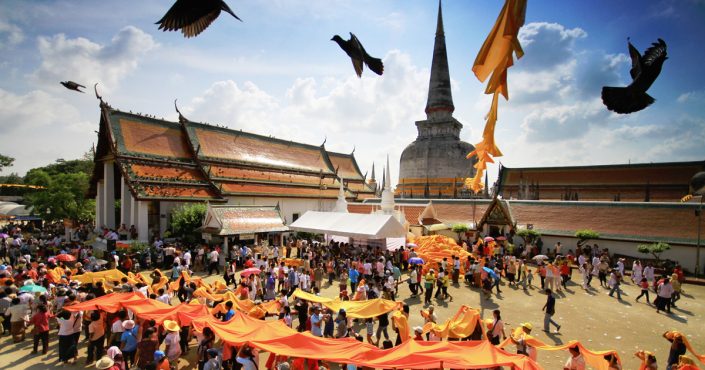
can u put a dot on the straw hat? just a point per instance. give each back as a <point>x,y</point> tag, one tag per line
<point>105,362</point>
<point>527,326</point>
<point>128,324</point>
<point>171,325</point>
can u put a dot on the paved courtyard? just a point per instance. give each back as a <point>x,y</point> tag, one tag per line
<point>594,318</point>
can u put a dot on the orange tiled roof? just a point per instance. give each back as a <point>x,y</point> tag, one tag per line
<point>346,165</point>
<point>274,190</point>
<point>172,191</point>
<point>166,173</point>
<point>146,137</point>
<point>265,175</point>
<point>359,208</point>
<point>260,151</point>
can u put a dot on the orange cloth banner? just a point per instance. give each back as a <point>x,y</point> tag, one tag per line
<point>461,325</point>
<point>112,302</point>
<point>353,309</point>
<point>494,58</point>
<point>689,346</point>
<point>596,359</point>
<point>433,248</point>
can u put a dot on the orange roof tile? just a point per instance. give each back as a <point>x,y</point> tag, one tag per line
<point>161,172</point>
<point>265,175</point>
<point>256,150</point>
<point>346,165</point>
<point>278,190</point>
<point>168,191</point>
<point>155,139</point>
<point>359,208</point>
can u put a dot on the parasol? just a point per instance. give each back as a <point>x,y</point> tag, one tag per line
<point>490,272</point>
<point>500,238</point>
<point>250,271</point>
<point>489,239</point>
<point>31,288</point>
<point>540,257</point>
<point>416,261</point>
<point>66,258</point>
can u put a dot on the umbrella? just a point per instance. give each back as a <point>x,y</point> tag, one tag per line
<point>65,258</point>
<point>250,271</point>
<point>31,288</point>
<point>416,260</point>
<point>101,262</point>
<point>490,271</point>
<point>489,239</point>
<point>411,245</point>
<point>540,257</point>
<point>3,235</point>
<point>500,238</point>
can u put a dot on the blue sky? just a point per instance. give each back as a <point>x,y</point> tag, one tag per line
<point>277,73</point>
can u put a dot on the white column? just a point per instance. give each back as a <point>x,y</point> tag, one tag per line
<point>142,221</point>
<point>125,204</point>
<point>109,194</point>
<point>99,205</point>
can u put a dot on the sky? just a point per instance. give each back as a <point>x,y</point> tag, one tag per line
<point>277,73</point>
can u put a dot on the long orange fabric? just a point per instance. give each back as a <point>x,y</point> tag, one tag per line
<point>461,325</point>
<point>689,346</point>
<point>354,309</point>
<point>596,359</point>
<point>494,58</point>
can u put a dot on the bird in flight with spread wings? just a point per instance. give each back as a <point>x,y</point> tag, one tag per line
<point>193,16</point>
<point>645,70</point>
<point>358,55</point>
<point>72,86</point>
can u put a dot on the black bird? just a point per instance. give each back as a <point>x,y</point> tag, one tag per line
<point>72,85</point>
<point>645,70</point>
<point>193,16</point>
<point>358,55</point>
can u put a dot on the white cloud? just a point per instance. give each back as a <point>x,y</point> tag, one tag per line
<point>87,62</point>
<point>10,35</point>
<point>547,44</point>
<point>692,97</point>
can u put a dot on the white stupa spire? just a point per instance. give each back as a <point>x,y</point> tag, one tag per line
<point>341,205</point>
<point>387,195</point>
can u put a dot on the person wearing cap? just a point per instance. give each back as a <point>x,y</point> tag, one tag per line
<point>128,341</point>
<point>418,332</point>
<point>316,322</point>
<point>575,361</point>
<point>106,363</point>
<point>172,341</point>
<point>519,337</point>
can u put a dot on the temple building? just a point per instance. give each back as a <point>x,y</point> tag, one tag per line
<point>641,182</point>
<point>152,165</point>
<point>434,165</point>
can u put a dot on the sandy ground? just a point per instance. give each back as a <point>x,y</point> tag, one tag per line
<point>600,322</point>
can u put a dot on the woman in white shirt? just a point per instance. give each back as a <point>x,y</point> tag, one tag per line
<point>67,347</point>
<point>497,328</point>
<point>172,341</point>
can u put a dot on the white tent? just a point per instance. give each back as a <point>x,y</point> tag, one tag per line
<point>352,225</point>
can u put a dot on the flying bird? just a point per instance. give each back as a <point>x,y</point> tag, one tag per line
<point>72,85</point>
<point>358,55</point>
<point>193,16</point>
<point>645,70</point>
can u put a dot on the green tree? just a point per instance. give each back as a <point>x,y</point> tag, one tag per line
<point>5,161</point>
<point>655,249</point>
<point>460,229</point>
<point>186,219</point>
<point>585,235</point>
<point>64,196</point>
<point>529,235</point>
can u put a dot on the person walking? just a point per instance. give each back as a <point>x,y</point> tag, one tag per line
<point>96,337</point>
<point>644,285</point>
<point>429,279</point>
<point>664,294</point>
<point>497,328</point>
<point>615,282</point>
<point>213,262</point>
<point>550,309</point>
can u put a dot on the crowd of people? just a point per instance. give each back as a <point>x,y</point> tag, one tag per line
<point>32,297</point>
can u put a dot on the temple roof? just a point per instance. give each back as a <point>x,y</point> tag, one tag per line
<point>193,161</point>
<point>236,220</point>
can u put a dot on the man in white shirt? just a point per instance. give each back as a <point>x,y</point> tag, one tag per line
<point>187,259</point>
<point>665,291</point>
<point>575,361</point>
<point>304,281</point>
<point>213,262</point>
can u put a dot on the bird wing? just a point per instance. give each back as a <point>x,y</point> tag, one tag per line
<point>79,85</point>
<point>656,52</point>
<point>190,16</point>
<point>636,61</point>
<point>357,64</point>
<point>356,54</point>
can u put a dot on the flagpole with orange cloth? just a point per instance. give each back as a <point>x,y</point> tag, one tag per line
<point>494,58</point>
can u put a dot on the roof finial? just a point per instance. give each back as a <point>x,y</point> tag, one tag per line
<point>325,138</point>
<point>353,152</point>
<point>182,119</point>
<point>95,88</point>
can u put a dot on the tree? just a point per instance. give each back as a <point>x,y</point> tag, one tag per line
<point>186,219</point>
<point>585,235</point>
<point>460,229</point>
<point>5,161</point>
<point>529,236</point>
<point>655,249</point>
<point>64,196</point>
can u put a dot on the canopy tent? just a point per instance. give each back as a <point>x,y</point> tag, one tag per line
<point>353,225</point>
<point>11,210</point>
<point>237,220</point>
